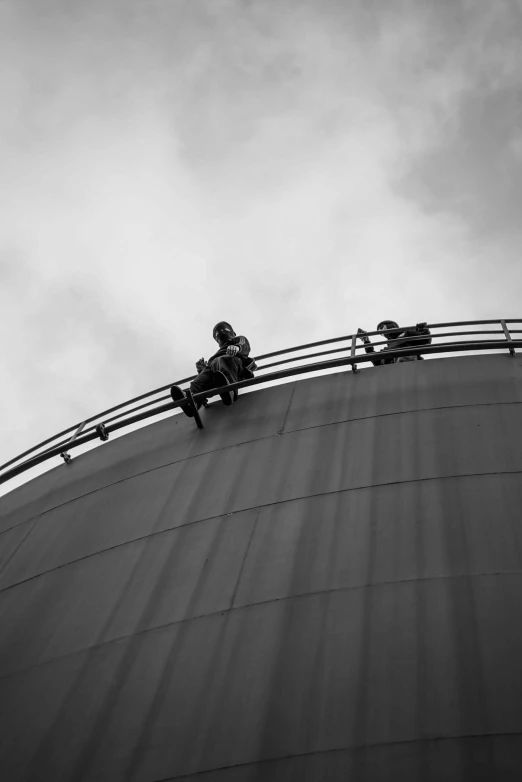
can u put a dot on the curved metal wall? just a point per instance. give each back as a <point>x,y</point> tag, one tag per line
<point>324,583</point>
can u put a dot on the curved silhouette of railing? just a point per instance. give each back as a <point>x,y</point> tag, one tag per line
<point>100,426</point>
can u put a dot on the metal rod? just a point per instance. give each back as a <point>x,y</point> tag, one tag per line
<point>195,413</point>
<point>77,432</point>
<point>352,352</point>
<point>147,395</point>
<point>375,344</point>
<point>95,418</point>
<point>508,337</point>
<point>331,364</point>
<point>449,347</point>
<point>67,456</point>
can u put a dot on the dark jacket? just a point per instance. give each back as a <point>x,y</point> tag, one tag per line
<point>403,339</point>
<point>248,363</point>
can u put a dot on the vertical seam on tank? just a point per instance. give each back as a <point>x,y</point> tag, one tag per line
<point>245,558</point>
<point>280,431</point>
<point>24,538</point>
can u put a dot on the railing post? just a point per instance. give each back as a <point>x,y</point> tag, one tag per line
<point>197,417</point>
<point>352,352</point>
<point>102,431</point>
<point>67,456</point>
<point>508,337</point>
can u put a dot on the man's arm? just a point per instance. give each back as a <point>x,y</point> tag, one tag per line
<point>366,340</point>
<point>238,346</point>
<point>420,330</point>
<point>368,346</point>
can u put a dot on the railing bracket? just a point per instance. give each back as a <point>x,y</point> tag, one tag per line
<point>67,456</point>
<point>102,432</point>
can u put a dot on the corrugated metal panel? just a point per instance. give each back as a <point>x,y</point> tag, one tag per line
<point>323,583</point>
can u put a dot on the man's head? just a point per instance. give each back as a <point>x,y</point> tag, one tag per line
<point>389,324</point>
<point>222,332</point>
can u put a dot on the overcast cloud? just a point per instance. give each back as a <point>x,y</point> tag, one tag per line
<point>297,168</point>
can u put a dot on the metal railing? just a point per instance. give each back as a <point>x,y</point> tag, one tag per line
<point>100,426</point>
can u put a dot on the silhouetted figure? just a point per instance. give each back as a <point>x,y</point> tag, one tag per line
<point>229,364</point>
<point>397,338</point>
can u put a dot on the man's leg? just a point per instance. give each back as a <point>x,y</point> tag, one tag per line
<point>203,382</point>
<point>226,369</point>
<point>229,365</point>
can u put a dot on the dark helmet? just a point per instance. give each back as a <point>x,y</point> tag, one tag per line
<point>387,324</point>
<point>220,325</point>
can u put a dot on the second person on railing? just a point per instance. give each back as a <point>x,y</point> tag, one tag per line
<point>397,339</point>
<point>229,364</point>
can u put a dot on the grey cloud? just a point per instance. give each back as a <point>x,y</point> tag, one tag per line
<point>478,174</point>
<point>474,169</point>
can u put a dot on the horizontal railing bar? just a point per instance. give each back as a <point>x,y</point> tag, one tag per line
<point>418,337</point>
<point>85,438</point>
<point>152,393</point>
<point>413,337</point>
<point>40,445</point>
<point>327,342</point>
<point>273,376</point>
<point>473,322</point>
<point>146,404</point>
<point>376,344</point>
<point>449,347</point>
<point>297,358</point>
<point>309,355</point>
<point>384,331</point>
<point>264,377</point>
<point>303,347</point>
<point>132,410</point>
<point>138,398</point>
<point>148,394</point>
<point>109,420</point>
<point>94,418</point>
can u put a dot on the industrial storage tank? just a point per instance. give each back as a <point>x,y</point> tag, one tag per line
<point>324,583</point>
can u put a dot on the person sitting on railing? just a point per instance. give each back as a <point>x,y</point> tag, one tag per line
<point>229,364</point>
<point>398,338</point>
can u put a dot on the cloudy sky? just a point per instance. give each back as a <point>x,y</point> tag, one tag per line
<point>298,168</point>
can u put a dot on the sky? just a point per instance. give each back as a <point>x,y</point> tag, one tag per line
<point>296,168</point>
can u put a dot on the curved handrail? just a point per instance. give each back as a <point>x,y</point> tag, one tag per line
<point>79,434</point>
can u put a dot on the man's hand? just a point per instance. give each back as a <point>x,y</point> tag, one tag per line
<point>232,350</point>
<point>201,364</point>
<point>362,332</point>
<point>421,326</point>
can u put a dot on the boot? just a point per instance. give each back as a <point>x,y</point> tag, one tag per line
<point>220,379</point>
<point>177,395</point>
